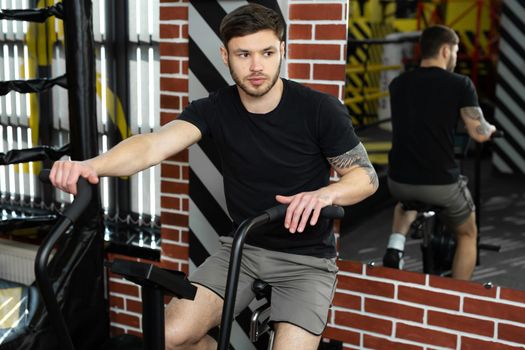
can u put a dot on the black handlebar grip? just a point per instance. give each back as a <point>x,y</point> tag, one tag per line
<point>329,212</point>
<point>81,201</point>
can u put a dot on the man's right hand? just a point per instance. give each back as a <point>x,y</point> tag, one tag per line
<point>64,175</point>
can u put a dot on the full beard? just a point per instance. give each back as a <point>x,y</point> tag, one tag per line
<point>254,92</point>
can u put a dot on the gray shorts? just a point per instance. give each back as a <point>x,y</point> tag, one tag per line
<point>455,199</point>
<point>302,286</point>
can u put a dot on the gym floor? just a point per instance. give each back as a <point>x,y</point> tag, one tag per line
<point>502,222</point>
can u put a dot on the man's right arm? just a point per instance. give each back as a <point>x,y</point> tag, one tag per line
<point>477,127</point>
<point>128,157</point>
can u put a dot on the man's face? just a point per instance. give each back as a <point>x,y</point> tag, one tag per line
<point>452,58</point>
<point>254,61</point>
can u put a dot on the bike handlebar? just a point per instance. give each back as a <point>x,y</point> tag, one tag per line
<point>270,215</point>
<point>82,199</point>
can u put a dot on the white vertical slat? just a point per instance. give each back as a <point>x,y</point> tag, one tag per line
<point>97,20</point>
<point>34,190</point>
<point>3,168</point>
<point>18,25</point>
<point>3,114</point>
<point>4,23</point>
<point>8,28</point>
<point>155,15</point>
<point>11,178</point>
<point>132,17</point>
<point>22,98</point>
<point>133,92</point>
<point>143,20</point>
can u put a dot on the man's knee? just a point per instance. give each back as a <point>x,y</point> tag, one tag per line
<point>179,336</point>
<point>468,229</point>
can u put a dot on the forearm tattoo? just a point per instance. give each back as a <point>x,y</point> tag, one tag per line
<point>475,113</point>
<point>357,156</point>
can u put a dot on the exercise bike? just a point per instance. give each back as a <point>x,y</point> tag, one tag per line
<point>438,244</point>
<point>157,282</point>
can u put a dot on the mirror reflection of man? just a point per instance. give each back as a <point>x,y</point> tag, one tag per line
<point>426,104</point>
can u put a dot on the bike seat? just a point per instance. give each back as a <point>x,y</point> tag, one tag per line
<point>262,290</point>
<point>420,206</point>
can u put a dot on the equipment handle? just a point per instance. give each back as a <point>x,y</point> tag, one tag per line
<point>82,199</point>
<point>330,212</point>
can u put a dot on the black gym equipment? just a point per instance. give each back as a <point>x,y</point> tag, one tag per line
<point>270,215</point>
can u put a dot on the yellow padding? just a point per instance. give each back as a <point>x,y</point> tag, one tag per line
<point>10,300</point>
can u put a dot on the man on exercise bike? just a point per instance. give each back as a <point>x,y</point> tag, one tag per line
<point>426,104</point>
<point>277,140</point>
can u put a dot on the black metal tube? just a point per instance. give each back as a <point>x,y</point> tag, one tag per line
<point>233,277</point>
<point>45,285</point>
<point>153,318</point>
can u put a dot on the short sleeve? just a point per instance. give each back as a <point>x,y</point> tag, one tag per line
<point>336,133</point>
<point>469,97</point>
<point>197,113</point>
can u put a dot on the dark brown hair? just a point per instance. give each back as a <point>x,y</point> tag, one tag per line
<point>434,37</point>
<point>249,19</point>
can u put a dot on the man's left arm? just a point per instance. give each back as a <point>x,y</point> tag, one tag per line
<point>358,180</point>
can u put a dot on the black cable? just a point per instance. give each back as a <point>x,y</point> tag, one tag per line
<point>31,85</point>
<point>34,15</point>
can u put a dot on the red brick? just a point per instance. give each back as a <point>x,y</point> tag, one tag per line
<point>175,251</point>
<point>134,306</point>
<point>329,72</point>
<point>366,286</point>
<point>326,88</point>
<point>174,219</point>
<point>185,237</point>
<point>512,294</point>
<point>170,170</point>
<point>350,266</point>
<point>174,187</point>
<point>185,67</point>
<point>185,31</point>
<point>185,173</point>
<point>427,336</point>
<point>173,49</point>
<point>171,234</point>
<point>299,31</point>
<point>184,267</point>
<point>461,286</point>
<point>185,99</point>
<point>478,344</point>
<point>125,319</point>
<point>511,333</point>
<point>342,335</point>
<point>166,117</point>
<point>180,157</point>
<point>170,265</point>
<point>330,32</point>
<point>377,343</point>
<point>496,310</point>
<point>426,297</point>
<point>121,288</point>
<point>364,322</point>
<point>173,13</point>
<point>394,274</point>
<point>314,51</point>
<point>394,310</point>
<point>174,84</point>
<point>347,300</point>
<point>169,31</point>
<point>117,302</point>
<point>461,323</point>
<point>299,70</point>
<point>169,67</point>
<point>315,12</point>
<point>169,101</point>
<point>170,203</point>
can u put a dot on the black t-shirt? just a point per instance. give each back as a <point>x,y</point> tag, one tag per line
<point>425,106</point>
<point>281,152</point>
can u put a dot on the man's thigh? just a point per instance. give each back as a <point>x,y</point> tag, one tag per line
<point>302,289</point>
<point>454,199</point>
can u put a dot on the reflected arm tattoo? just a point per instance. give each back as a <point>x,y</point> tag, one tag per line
<point>357,156</point>
<point>475,113</point>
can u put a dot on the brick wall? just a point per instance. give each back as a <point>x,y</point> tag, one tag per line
<point>375,308</point>
<point>381,308</point>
